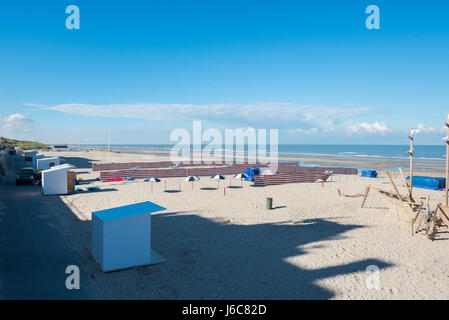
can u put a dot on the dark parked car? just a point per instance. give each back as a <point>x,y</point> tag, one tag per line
<point>27,175</point>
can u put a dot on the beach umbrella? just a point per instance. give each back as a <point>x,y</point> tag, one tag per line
<point>152,180</point>
<point>191,179</point>
<point>241,176</point>
<point>218,177</point>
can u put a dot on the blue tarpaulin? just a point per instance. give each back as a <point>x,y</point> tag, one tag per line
<point>251,172</point>
<point>368,173</point>
<point>425,182</point>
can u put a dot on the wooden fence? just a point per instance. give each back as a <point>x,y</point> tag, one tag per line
<point>266,180</point>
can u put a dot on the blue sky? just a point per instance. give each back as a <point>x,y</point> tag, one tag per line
<point>143,68</point>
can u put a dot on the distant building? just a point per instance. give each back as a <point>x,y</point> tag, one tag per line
<point>60,147</point>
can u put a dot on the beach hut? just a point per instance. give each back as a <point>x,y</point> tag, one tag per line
<point>35,158</point>
<point>121,236</point>
<point>59,148</point>
<point>29,155</point>
<point>47,163</point>
<point>57,180</point>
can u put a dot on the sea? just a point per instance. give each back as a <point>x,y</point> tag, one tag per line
<point>434,153</point>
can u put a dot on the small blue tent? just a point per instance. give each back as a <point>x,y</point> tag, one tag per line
<point>425,182</point>
<point>368,173</point>
<point>251,172</point>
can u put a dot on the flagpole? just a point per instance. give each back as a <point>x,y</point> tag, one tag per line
<point>447,160</point>
<point>109,142</point>
<point>411,162</point>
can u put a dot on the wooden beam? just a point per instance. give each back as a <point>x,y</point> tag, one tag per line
<point>394,186</point>
<point>444,216</point>
<point>415,217</point>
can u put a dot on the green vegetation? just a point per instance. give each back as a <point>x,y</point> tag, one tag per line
<point>25,145</point>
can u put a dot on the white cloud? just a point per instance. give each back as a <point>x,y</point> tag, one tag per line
<point>367,128</point>
<point>252,113</point>
<point>34,105</point>
<point>16,121</point>
<point>420,128</point>
<point>304,131</point>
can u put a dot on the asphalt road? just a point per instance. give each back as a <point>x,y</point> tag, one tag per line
<point>33,252</point>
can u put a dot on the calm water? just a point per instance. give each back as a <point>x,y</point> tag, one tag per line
<point>422,152</point>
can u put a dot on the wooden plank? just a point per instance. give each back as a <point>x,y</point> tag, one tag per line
<point>70,181</point>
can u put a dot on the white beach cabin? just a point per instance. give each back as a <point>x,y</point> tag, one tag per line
<point>121,236</point>
<point>29,155</point>
<point>54,180</point>
<point>35,157</point>
<point>47,163</point>
<point>18,150</point>
<point>59,148</point>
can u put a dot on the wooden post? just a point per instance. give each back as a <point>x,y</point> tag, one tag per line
<point>447,161</point>
<point>411,162</point>
<point>366,195</point>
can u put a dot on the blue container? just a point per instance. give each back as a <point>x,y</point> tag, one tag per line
<point>431,183</point>
<point>251,172</point>
<point>368,173</point>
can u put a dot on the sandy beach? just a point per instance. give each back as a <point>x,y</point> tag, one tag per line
<point>312,245</point>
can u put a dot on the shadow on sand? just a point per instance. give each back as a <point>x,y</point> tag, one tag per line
<point>208,259</point>
<point>96,191</point>
<point>172,191</point>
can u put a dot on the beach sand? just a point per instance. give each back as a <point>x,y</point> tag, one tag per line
<point>312,245</point>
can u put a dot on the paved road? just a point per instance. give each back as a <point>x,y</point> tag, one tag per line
<point>33,252</point>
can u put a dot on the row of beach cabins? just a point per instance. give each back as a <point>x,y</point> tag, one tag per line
<point>56,177</point>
